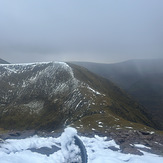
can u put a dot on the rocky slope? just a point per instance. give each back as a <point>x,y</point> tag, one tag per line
<point>55,94</point>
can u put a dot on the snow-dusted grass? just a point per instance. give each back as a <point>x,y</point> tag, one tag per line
<point>17,151</point>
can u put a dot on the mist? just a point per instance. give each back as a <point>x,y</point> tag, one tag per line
<point>94,31</point>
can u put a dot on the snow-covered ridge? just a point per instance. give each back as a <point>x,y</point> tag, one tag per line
<point>48,77</point>
<point>36,71</point>
<point>22,67</point>
<point>32,63</point>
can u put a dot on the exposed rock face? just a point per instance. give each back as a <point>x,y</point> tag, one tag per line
<point>50,95</point>
<point>128,140</point>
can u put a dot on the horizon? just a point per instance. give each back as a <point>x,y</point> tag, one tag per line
<point>143,59</point>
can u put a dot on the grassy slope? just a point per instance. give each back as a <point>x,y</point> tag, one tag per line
<point>142,79</point>
<point>115,105</point>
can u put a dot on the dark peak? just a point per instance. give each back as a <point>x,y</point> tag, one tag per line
<point>3,61</point>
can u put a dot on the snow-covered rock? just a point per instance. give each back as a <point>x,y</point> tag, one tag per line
<point>19,150</point>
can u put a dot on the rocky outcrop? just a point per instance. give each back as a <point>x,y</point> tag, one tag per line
<point>129,141</point>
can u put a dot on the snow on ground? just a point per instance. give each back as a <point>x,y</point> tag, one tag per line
<point>18,150</point>
<point>141,146</point>
<point>9,69</point>
<point>96,92</point>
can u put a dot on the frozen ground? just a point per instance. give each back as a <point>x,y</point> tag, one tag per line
<point>19,150</point>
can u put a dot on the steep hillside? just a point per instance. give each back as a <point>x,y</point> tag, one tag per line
<point>3,61</point>
<point>149,92</point>
<point>142,79</point>
<point>51,95</point>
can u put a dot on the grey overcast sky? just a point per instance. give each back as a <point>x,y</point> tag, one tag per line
<point>80,30</point>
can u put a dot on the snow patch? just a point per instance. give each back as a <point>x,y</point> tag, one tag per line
<point>96,92</point>
<point>141,146</point>
<point>129,127</point>
<point>35,106</point>
<point>78,104</point>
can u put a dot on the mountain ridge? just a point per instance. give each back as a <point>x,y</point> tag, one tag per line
<point>55,94</point>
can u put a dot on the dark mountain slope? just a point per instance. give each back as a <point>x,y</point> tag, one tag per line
<point>149,92</point>
<point>143,79</point>
<point>114,100</point>
<point>3,61</point>
<point>55,94</point>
